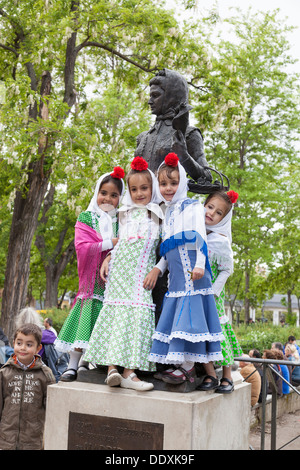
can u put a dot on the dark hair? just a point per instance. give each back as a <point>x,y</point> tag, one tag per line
<point>256,353</point>
<point>116,181</point>
<point>291,338</point>
<point>278,346</point>
<point>30,329</point>
<point>49,320</point>
<point>142,172</point>
<point>222,195</point>
<point>168,169</point>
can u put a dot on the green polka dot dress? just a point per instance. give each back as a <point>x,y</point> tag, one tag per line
<point>78,326</point>
<point>230,345</point>
<point>123,332</point>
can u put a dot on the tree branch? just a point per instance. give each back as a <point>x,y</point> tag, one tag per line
<point>87,43</point>
<point>71,54</point>
<point>10,49</point>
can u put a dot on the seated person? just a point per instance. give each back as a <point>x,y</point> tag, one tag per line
<point>250,375</point>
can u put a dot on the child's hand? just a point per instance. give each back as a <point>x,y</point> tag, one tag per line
<point>151,278</point>
<point>197,274</point>
<point>114,241</point>
<point>104,268</point>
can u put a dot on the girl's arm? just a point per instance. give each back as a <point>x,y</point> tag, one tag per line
<point>106,245</point>
<point>199,268</point>
<point>162,265</point>
<point>158,270</point>
<point>225,271</point>
<point>104,268</point>
<point>151,278</point>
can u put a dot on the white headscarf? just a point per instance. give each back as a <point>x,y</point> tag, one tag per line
<point>219,240</point>
<point>106,218</point>
<point>182,189</point>
<point>152,206</point>
<point>223,227</point>
<point>183,220</point>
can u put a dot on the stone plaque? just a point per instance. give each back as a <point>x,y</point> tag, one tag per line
<point>90,432</point>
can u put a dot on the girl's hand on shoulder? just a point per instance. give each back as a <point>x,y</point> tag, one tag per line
<point>151,278</point>
<point>197,274</point>
<point>104,268</point>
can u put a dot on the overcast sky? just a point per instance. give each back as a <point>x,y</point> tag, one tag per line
<point>289,9</point>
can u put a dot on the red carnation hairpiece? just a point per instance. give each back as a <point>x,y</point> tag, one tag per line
<point>118,173</point>
<point>233,196</point>
<point>171,159</point>
<point>139,164</point>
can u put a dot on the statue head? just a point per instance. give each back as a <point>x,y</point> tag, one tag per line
<point>168,90</point>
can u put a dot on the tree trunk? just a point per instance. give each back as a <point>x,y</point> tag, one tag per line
<point>289,301</point>
<point>55,263</point>
<point>27,204</point>
<point>247,285</point>
<point>53,274</point>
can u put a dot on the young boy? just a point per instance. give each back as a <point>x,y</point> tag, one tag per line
<point>23,388</point>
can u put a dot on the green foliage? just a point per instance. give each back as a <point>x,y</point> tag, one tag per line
<point>246,102</point>
<point>261,336</point>
<point>249,114</point>
<point>58,316</point>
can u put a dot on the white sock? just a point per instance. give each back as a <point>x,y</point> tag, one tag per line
<point>187,366</point>
<point>73,362</point>
<point>83,365</point>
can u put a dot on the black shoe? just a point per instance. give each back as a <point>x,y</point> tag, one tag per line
<point>228,388</point>
<point>206,386</point>
<point>185,376</point>
<point>65,377</point>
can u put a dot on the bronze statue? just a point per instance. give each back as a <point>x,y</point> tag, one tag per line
<point>171,131</point>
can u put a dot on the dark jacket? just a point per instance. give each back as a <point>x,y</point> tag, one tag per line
<point>22,405</point>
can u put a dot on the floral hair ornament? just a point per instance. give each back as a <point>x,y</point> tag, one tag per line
<point>139,164</point>
<point>233,196</point>
<point>118,173</point>
<point>172,160</point>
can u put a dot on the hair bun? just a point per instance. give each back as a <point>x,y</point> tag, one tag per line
<point>139,164</point>
<point>233,196</point>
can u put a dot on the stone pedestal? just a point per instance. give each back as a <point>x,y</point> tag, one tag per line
<point>83,415</point>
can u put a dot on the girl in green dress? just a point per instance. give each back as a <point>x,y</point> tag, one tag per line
<point>122,335</point>
<point>95,236</point>
<point>218,216</point>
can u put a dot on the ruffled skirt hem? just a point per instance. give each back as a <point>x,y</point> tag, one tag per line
<point>179,358</point>
<point>65,347</point>
<point>190,337</point>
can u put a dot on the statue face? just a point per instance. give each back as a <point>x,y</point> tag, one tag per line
<point>156,99</point>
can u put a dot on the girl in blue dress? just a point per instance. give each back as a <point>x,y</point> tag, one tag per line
<point>188,330</point>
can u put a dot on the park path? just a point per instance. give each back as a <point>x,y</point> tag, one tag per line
<point>288,428</point>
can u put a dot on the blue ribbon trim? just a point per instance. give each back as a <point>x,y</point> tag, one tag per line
<point>190,311</point>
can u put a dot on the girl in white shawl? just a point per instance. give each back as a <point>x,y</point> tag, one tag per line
<point>188,330</point>
<point>218,215</point>
<point>123,331</point>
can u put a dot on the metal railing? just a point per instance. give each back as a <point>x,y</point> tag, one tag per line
<point>267,367</point>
